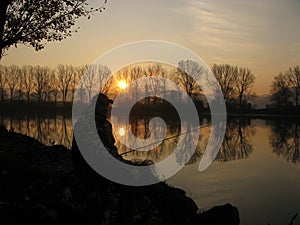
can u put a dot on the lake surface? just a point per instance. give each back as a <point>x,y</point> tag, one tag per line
<point>257,168</point>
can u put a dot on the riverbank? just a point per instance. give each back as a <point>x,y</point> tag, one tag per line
<point>38,185</point>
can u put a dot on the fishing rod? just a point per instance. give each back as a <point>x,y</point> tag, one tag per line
<point>177,135</point>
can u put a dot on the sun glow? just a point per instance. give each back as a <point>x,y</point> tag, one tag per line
<point>122,84</point>
<point>121,131</point>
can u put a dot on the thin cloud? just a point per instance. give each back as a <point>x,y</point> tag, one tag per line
<point>263,35</point>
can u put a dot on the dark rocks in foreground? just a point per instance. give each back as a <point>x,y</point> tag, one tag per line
<point>39,186</point>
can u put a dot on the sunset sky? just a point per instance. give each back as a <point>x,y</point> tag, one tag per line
<point>263,35</point>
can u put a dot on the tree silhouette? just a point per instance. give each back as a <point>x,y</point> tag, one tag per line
<point>156,86</point>
<point>3,81</point>
<point>187,69</point>
<point>294,78</point>
<point>65,74</point>
<point>280,91</point>
<point>33,23</point>
<point>12,74</point>
<point>81,92</point>
<point>41,77</point>
<point>54,85</point>
<point>27,78</point>
<point>236,83</point>
<point>41,83</point>
<point>104,84</point>
<point>227,76</point>
<point>244,83</point>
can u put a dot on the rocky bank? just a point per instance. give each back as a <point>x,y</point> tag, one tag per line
<point>38,185</point>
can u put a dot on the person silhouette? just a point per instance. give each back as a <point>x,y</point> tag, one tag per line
<point>104,129</point>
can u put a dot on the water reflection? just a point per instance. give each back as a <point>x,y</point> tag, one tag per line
<point>139,126</point>
<point>284,139</point>
<point>52,129</point>
<point>47,129</point>
<point>236,143</point>
<point>57,129</point>
<point>237,140</point>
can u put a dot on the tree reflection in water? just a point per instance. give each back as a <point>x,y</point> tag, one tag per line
<point>47,129</point>
<point>237,140</point>
<point>139,126</point>
<point>236,144</point>
<point>57,129</point>
<point>285,139</point>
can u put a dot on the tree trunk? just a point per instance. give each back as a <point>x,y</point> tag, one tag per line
<point>11,94</point>
<point>240,102</point>
<point>55,99</point>
<point>28,97</point>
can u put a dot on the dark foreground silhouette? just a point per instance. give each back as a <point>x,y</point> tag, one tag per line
<point>38,185</point>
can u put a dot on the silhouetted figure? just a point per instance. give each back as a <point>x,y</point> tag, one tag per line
<point>94,187</point>
<point>103,126</point>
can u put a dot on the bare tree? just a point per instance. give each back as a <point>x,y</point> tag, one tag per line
<point>28,81</point>
<point>294,79</point>
<point>41,77</point>
<point>3,82</point>
<point>12,75</point>
<point>89,80</point>
<point>186,70</point>
<point>244,82</point>
<point>96,79</point>
<point>128,75</point>
<point>54,85</point>
<point>64,76</point>
<point>74,80</point>
<point>280,90</point>
<point>156,85</point>
<point>103,72</point>
<point>81,85</point>
<point>135,73</point>
<point>20,85</point>
<point>226,75</point>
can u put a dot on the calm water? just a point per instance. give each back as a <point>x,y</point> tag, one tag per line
<point>257,168</point>
<point>264,183</point>
<point>54,129</point>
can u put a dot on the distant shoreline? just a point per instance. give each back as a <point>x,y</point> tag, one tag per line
<point>17,107</point>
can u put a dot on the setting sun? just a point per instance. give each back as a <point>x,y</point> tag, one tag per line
<point>121,131</point>
<point>122,84</point>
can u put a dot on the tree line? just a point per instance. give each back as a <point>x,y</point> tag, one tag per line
<point>236,83</point>
<point>43,84</point>
<point>285,90</point>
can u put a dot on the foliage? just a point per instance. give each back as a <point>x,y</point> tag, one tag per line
<point>34,22</point>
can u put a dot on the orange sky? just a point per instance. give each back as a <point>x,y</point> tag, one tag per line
<point>260,34</point>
